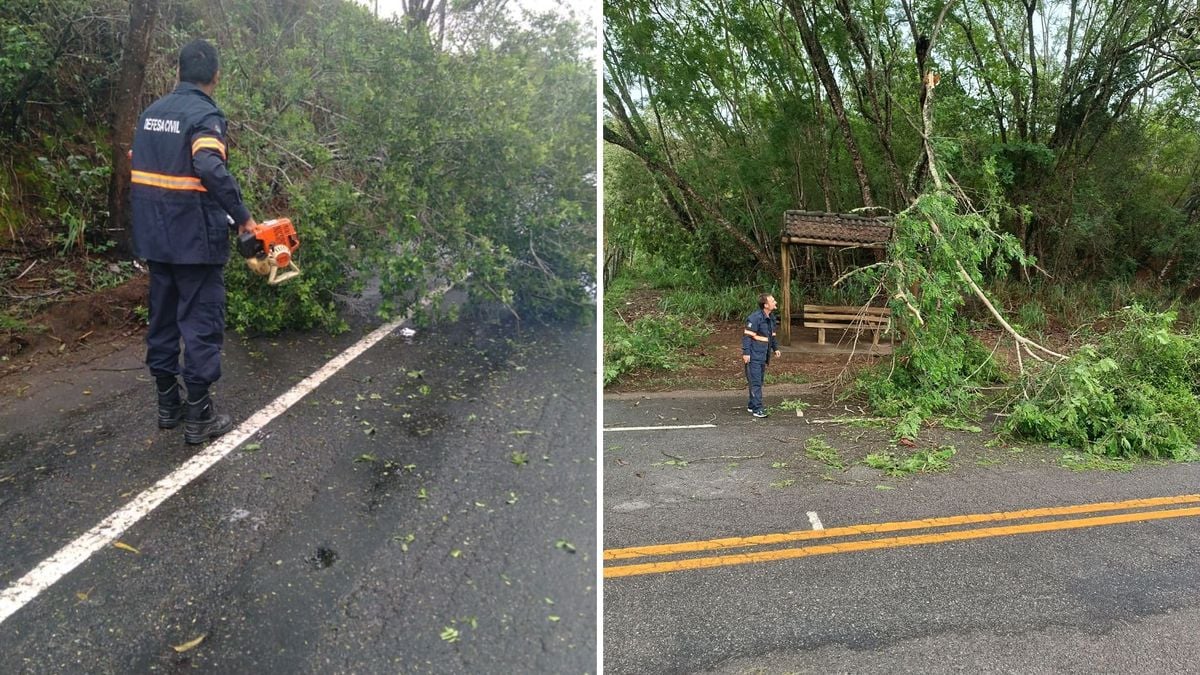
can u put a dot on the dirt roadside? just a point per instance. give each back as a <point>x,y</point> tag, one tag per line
<point>72,332</point>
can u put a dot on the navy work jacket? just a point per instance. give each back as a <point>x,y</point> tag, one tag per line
<point>758,337</point>
<point>182,192</point>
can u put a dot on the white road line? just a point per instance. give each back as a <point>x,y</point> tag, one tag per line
<point>815,520</point>
<point>663,428</point>
<point>72,555</point>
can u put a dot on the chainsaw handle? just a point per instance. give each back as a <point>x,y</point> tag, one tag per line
<point>248,245</point>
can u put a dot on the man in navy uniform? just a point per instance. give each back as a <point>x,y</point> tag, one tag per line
<point>758,343</point>
<point>185,203</point>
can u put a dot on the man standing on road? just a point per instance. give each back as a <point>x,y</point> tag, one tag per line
<point>758,343</point>
<point>185,203</point>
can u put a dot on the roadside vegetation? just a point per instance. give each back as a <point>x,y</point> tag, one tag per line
<point>454,145</point>
<point>1045,258</point>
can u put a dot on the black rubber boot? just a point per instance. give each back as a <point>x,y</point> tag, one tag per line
<point>170,405</point>
<point>203,423</point>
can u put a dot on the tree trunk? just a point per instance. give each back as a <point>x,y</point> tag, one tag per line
<point>815,52</point>
<point>868,98</point>
<point>142,15</point>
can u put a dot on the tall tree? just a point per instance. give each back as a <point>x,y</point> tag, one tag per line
<point>816,52</point>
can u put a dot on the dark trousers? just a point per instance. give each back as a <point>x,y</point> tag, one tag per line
<point>188,302</point>
<point>755,371</point>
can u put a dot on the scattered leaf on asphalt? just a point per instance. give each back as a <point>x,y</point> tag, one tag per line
<point>450,634</point>
<point>125,547</point>
<point>190,644</point>
<point>365,457</point>
<point>512,498</point>
<point>455,553</point>
<point>521,432</point>
<point>252,447</point>
<point>553,618</point>
<point>885,487</point>
<point>565,545</point>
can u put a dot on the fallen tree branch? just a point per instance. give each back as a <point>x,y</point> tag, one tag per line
<point>1022,341</point>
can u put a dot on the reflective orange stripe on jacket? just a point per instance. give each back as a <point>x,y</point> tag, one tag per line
<point>756,336</point>
<point>161,180</point>
<point>208,143</point>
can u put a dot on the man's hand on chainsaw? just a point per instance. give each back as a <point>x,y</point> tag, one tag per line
<point>247,227</point>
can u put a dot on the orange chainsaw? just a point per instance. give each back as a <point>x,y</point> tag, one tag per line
<point>268,250</point>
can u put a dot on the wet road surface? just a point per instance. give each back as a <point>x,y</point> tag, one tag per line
<point>1110,597</point>
<point>430,508</point>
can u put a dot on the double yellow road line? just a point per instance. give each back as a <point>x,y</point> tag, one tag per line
<point>1130,507</point>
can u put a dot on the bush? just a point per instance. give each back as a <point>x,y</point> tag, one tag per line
<point>651,342</point>
<point>1134,394</point>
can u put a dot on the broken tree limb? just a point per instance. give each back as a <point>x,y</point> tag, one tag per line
<point>1021,340</point>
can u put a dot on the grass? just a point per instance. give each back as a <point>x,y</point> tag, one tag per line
<point>710,303</point>
<point>10,323</point>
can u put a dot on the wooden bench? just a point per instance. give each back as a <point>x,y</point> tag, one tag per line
<point>821,317</point>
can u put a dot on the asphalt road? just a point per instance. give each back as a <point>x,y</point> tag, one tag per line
<point>430,508</point>
<point>1111,597</point>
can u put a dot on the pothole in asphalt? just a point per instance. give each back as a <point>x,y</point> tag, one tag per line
<point>324,557</point>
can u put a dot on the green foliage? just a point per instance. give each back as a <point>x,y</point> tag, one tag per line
<point>792,404</point>
<point>103,274</point>
<point>12,324</point>
<point>1085,461</point>
<point>1032,317</point>
<point>730,100</point>
<point>1136,393</point>
<point>652,342</point>
<point>714,304</point>
<point>817,448</point>
<point>325,256</point>
<point>938,366</point>
<point>402,157</point>
<point>919,461</point>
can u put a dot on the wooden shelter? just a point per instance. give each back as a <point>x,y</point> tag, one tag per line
<point>817,228</point>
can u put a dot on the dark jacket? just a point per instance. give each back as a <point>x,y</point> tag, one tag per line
<point>183,195</point>
<point>758,337</point>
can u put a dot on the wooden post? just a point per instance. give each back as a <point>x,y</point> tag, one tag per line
<point>787,293</point>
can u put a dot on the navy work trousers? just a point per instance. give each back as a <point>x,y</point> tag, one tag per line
<point>186,301</point>
<point>755,370</point>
